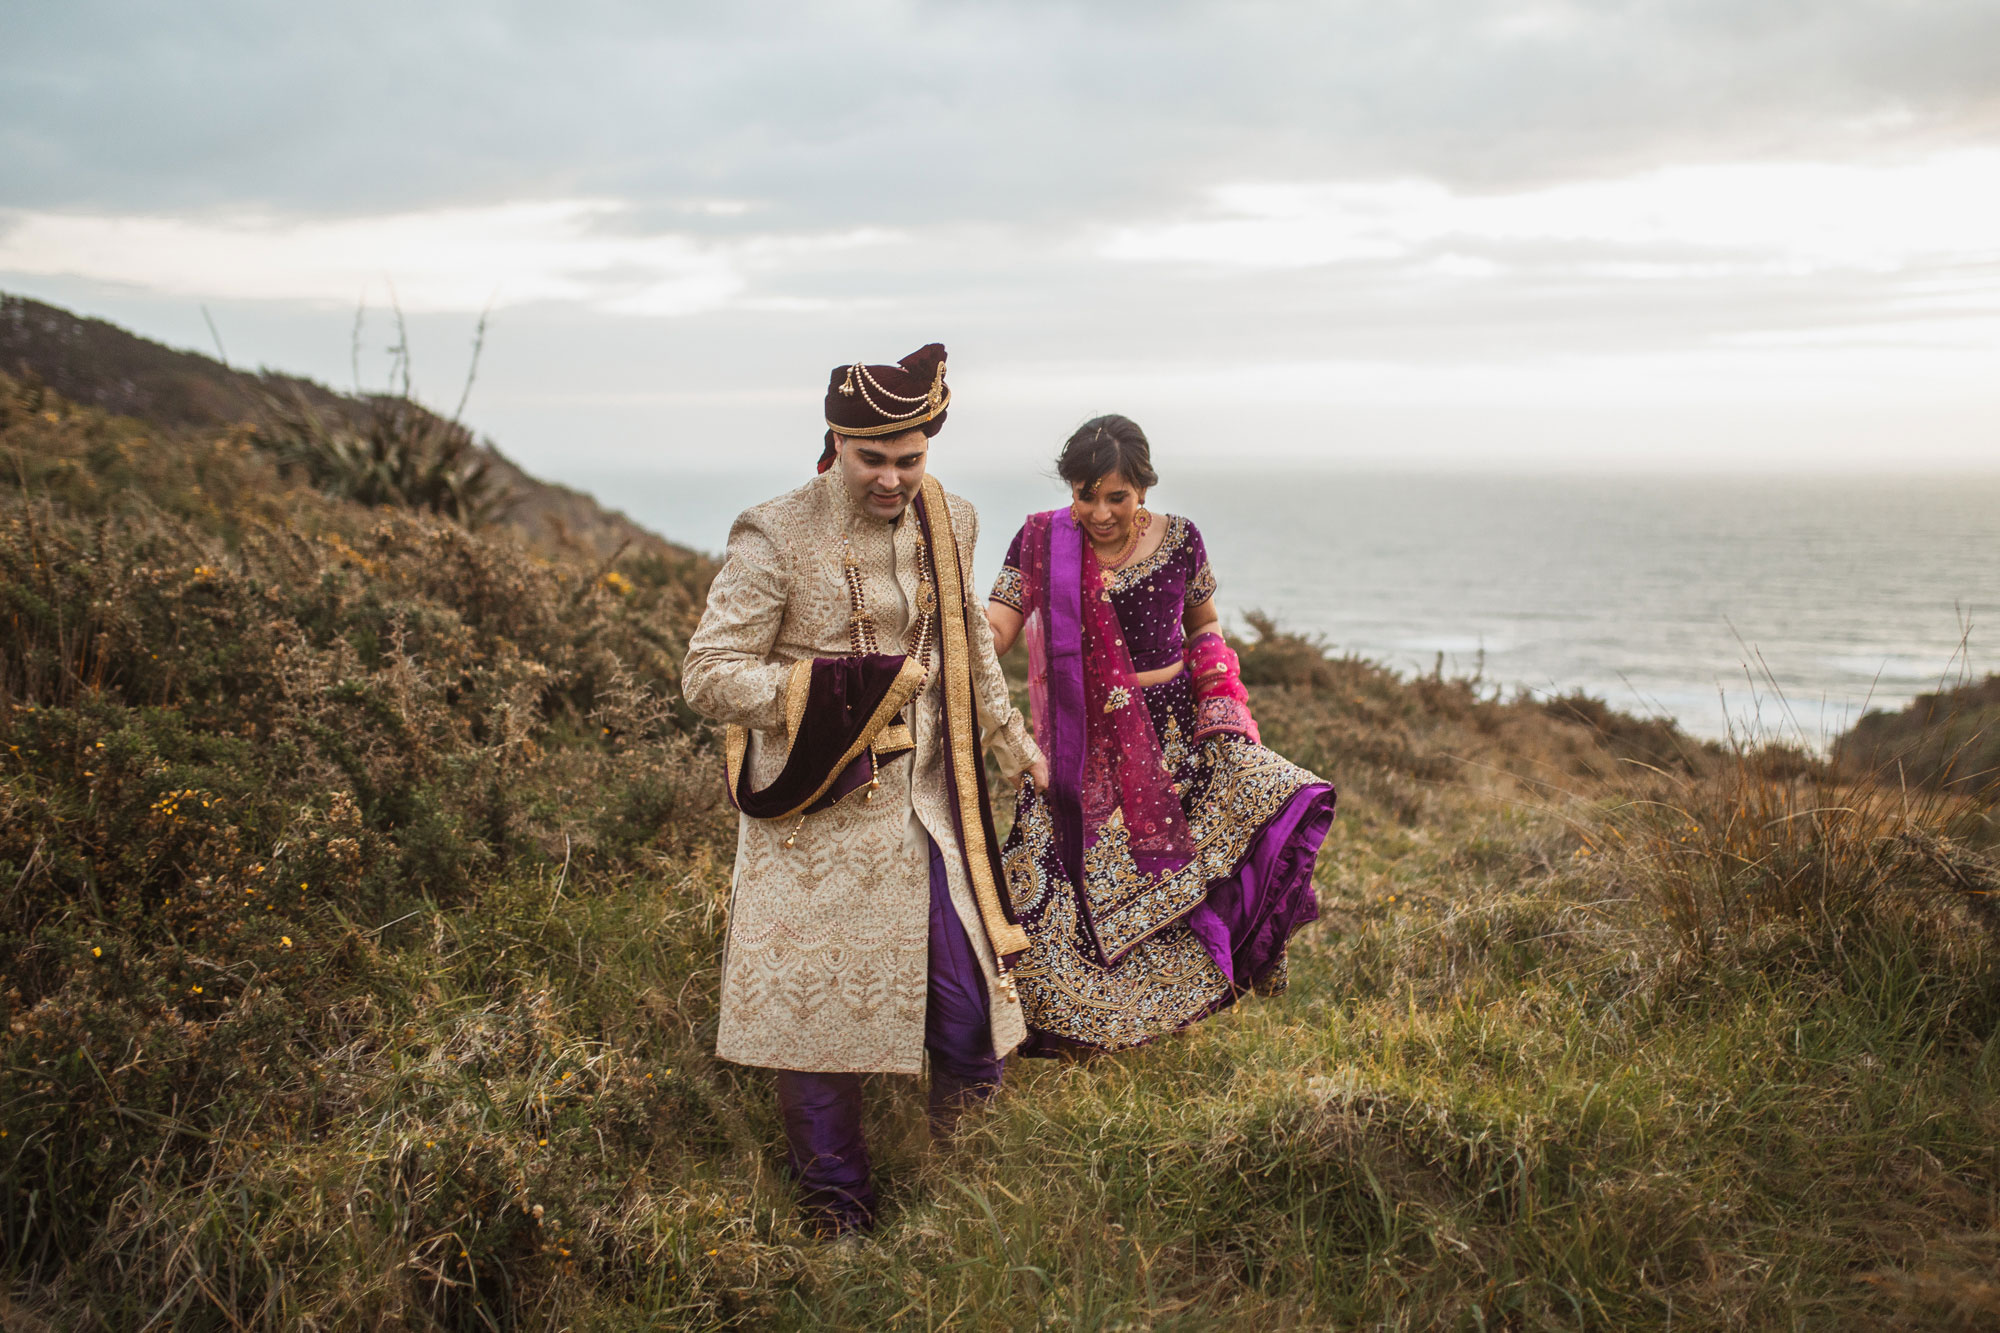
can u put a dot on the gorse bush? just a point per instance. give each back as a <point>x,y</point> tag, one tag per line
<point>240,745</point>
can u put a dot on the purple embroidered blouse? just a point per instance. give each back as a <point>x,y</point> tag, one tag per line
<point>1151,596</point>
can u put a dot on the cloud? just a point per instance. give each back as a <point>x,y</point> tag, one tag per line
<point>449,259</point>
<point>891,112</point>
<point>1533,207</point>
<point>1703,220</point>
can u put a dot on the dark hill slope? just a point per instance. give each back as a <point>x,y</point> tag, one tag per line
<point>93,362</point>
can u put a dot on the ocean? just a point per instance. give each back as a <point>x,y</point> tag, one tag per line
<point>1775,606</point>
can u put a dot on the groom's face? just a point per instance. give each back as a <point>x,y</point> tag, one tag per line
<point>883,473</point>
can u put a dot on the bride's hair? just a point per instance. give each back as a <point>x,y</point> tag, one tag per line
<point>1107,444</point>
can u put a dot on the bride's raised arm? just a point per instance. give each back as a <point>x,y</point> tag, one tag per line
<point>1200,619</point>
<point>1003,608</point>
<point>1006,624</point>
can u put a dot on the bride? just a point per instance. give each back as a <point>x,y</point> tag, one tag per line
<point>1168,860</point>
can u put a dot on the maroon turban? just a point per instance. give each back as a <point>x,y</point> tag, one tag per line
<point>865,401</point>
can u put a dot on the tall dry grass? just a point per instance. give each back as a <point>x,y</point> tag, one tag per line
<point>1771,837</point>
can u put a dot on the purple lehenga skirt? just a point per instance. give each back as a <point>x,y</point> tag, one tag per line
<point>1132,954</point>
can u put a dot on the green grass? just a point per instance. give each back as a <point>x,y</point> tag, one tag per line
<point>1599,1028</point>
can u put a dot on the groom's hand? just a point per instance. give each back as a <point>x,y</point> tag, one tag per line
<point>1039,771</point>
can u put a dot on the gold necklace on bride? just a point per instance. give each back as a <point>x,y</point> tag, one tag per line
<point>1140,522</point>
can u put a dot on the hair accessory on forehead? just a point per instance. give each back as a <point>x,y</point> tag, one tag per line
<point>865,400</point>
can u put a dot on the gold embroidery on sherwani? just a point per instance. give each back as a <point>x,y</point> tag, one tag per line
<point>827,956</point>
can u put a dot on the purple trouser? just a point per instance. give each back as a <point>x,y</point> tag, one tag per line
<point>829,1156</point>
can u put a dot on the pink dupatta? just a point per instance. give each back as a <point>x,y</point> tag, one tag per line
<point>1106,765</point>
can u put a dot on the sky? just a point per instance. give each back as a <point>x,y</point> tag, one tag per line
<point>1491,234</point>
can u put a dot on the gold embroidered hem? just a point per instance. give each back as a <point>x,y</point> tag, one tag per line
<point>1159,976</point>
<point>1246,785</point>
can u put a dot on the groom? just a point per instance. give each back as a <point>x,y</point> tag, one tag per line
<point>847,651</point>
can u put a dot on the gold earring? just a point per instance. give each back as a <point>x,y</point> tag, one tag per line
<point>1143,518</point>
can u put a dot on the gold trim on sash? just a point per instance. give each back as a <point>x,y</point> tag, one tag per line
<point>735,744</point>
<point>797,690</point>
<point>1005,937</point>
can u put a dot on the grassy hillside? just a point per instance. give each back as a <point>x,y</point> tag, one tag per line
<point>1949,741</point>
<point>361,889</point>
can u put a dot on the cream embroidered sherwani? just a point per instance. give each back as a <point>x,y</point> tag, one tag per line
<point>827,960</point>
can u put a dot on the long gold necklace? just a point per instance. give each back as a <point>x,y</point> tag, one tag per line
<point>1140,522</point>
<point>861,636</point>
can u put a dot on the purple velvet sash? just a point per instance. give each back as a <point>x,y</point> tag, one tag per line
<point>843,700</point>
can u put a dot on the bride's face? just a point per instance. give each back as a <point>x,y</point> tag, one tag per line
<point>1105,507</point>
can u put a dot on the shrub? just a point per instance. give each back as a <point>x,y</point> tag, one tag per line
<point>388,450</point>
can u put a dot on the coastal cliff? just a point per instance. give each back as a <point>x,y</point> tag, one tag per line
<point>362,880</point>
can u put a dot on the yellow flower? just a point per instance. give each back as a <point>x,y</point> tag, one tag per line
<point>285,940</point>
<point>542,1143</point>
<point>197,990</point>
<point>96,951</point>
